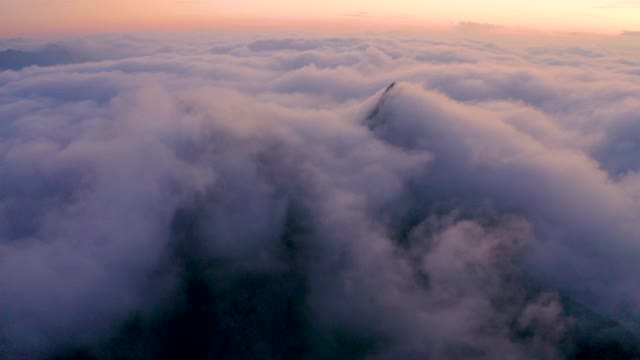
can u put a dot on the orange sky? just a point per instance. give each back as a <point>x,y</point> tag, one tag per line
<point>32,17</point>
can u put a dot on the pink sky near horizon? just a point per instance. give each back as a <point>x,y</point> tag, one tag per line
<point>33,17</point>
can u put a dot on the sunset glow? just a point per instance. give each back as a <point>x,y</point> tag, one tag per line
<point>319,179</point>
<point>44,16</point>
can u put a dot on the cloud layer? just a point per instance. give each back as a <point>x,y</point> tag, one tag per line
<point>236,198</point>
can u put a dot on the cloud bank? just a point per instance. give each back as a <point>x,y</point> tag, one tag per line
<point>275,198</point>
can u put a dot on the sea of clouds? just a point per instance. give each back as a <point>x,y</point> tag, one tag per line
<point>235,197</point>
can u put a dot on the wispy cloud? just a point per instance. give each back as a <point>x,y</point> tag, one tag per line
<point>359,14</point>
<point>473,27</point>
<point>364,14</point>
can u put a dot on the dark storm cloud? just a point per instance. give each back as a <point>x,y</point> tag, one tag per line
<point>246,192</point>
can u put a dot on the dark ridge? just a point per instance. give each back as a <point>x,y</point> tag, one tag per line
<point>222,311</point>
<point>372,121</point>
<point>595,336</point>
<point>591,335</point>
<point>393,84</point>
<point>49,55</point>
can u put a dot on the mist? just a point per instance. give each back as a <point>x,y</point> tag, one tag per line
<point>469,196</point>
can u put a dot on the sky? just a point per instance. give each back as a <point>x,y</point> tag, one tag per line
<point>327,194</point>
<point>23,17</point>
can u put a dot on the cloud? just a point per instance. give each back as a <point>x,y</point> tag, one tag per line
<point>370,15</point>
<point>268,198</point>
<point>475,27</point>
<point>359,14</point>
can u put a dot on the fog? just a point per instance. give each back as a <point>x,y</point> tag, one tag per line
<point>378,197</point>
